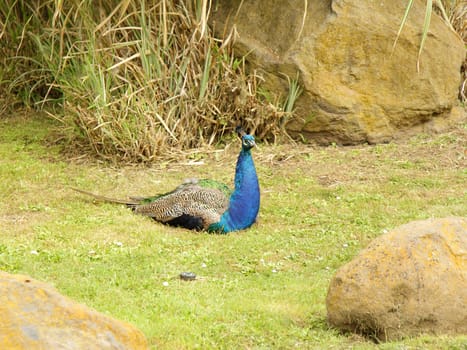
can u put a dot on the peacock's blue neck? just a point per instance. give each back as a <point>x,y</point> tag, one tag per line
<point>244,201</point>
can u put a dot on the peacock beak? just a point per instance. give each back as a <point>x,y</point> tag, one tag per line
<point>250,143</point>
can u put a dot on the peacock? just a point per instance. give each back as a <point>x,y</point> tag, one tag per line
<point>204,204</point>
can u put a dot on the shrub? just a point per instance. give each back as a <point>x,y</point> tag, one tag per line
<point>133,80</point>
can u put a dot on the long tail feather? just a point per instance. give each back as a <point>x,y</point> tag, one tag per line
<point>127,202</point>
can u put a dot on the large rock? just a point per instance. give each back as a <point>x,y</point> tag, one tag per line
<point>35,316</point>
<point>409,281</point>
<point>354,89</point>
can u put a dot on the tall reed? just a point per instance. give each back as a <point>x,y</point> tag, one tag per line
<point>134,80</point>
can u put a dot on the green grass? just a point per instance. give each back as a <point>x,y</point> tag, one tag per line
<point>263,288</point>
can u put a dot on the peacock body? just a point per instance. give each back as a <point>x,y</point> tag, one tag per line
<point>206,204</point>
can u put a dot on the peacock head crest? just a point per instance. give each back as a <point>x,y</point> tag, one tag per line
<point>248,141</point>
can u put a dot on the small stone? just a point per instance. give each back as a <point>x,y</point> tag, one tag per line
<point>187,276</point>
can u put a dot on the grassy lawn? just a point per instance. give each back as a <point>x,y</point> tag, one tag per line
<point>263,288</point>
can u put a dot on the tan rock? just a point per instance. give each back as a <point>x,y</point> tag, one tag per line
<point>354,89</point>
<point>409,281</point>
<point>35,316</point>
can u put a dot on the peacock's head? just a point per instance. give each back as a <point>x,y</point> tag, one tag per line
<point>248,141</point>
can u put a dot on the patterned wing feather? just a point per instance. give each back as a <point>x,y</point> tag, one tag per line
<point>188,183</point>
<point>193,205</point>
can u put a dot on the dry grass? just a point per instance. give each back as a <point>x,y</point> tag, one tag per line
<point>134,80</point>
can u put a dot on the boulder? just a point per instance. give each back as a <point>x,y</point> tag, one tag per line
<point>409,281</point>
<point>354,89</point>
<point>36,316</point>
